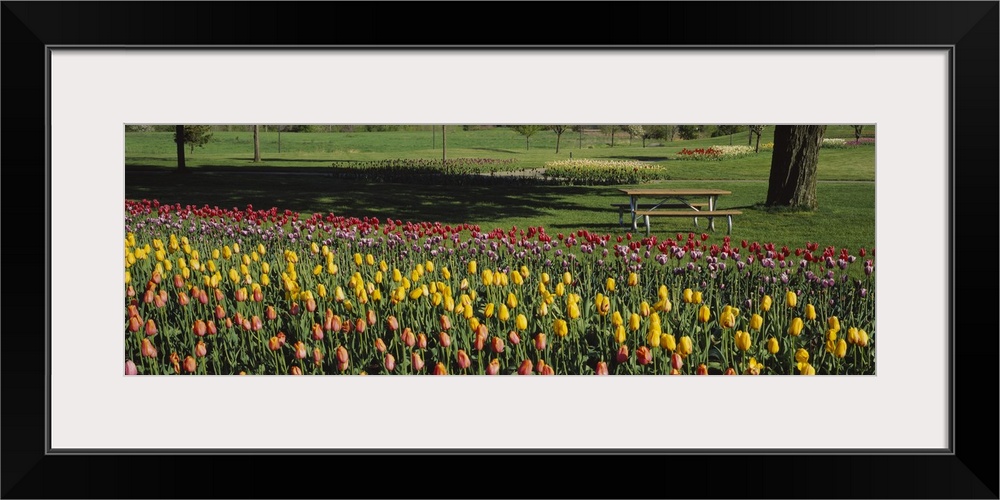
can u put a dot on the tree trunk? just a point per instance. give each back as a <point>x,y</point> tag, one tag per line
<point>444,149</point>
<point>527,144</point>
<point>612,137</point>
<point>558,137</point>
<point>256,143</point>
<point>180,148</point>
<point>643,141</point>
<point>793,166</point>
<point>756,148</point>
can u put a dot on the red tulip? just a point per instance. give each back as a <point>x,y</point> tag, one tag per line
<point>644,355</point>
<point>514,338</point>
<point>676,361</point>
<point>148,296</point>
<point>547,370</point>
<point>175,360</point>
<point>130,368</point>
<point>525,368</point>
<point>622,354</point>
<point>409,338</point>
<point>730,371</point>
<point>311,304</point>
<point>156,277</point>
<point>238,318</point>
<point>246,324</point>
<point>133,312</point>
<point>294,309</point>
<point>130,291</point>
<point>463,359</point>
<point>218,295</point>
<point>190,365</point>
<point>493,368</point>
<point>203,297</point>
<point>159,301</point>
<point>281,338</point>
<point>258,295</point>
<point>540,341</point>
<point>335,323</point>
<point>602,368</point>
<point>150,327</point>
<point>229,323</point>
<point>211,327</point>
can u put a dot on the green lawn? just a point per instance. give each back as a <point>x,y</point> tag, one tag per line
<point>223,175</point>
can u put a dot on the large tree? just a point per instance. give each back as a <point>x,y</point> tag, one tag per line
<point>793,166</point>
<point>179,139</point>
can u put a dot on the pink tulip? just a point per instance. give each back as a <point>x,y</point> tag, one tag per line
<point>463,359</point>
<point>390,362</point>
<point>200,350</point>
<point>418,362</point>
<point>150,327</point>
<point>130,368</point>
<point>493,368</point>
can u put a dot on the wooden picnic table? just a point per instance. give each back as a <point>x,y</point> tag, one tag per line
<point>683,197</point>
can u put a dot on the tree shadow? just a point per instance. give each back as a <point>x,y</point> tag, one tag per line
<point>640,157</point>
<point>497,150</point>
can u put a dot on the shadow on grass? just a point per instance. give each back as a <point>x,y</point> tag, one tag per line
<point>497,150</point>
<point>641,157</point>
<point>414,201</point>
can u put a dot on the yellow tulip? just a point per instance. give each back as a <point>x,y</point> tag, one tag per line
<point>560,327</point>
<point>742,340</point>
<point>810,312</point>
<point>573,311</point>
<point>801,356</point>
<point>560,289</point>
<point>806,369</point>
<point>668,342</point>
<point>833,323</point>
<point>653,336</point>
<point>620,334</point>
<point>609,284</point>
<point>517,278</point>
<point>791,299</point>
<point>616,319</point>
<point>688,296</point>
<point>376,295</point>
<point>841,349</point>
<point>727,319</point>
<point>644,309</point>
<point>358,259</point>
<point>795,328</point>
<point>567,278</point>
<point>765,303</point>
<point>449,303</point>
<point>543,309</point>
<point>471,268</point>
<point>473,323</point>
<point>662,292</point>
<point>264,279</point>
<point>831,335</point>
<point>852,335</point>
<point>772,345</point>
<point>633,322</point>
<point>545,278</point>
<point>696,298</point>
<point>862,338</point>
<point>215,253</point>
<point>521,322</point>
<point>488,312</point>
<point>446,273</point>
<point>321,290</point>
<point>756,321</point>
<point>511,300</point>
<point>504,313</point>
<point>685,347</point>
<point>704,314</point>
<point>633,279</point>
<point>416,293</point>
<point>487,277</point>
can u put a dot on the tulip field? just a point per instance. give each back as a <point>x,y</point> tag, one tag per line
<point>212,291</point>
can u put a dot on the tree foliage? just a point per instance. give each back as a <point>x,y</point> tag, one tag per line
<point>194,135</point>
<point>527,131</point>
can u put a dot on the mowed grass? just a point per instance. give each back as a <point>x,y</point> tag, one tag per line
<point>845,218</point>
<point>155,150</point>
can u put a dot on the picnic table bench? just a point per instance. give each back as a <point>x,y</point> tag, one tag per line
<point>680,207</point>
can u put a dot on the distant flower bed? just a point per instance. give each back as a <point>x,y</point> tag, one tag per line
<point>452,166</point>
<point>715,153</point>
<point>601,172</point>
<point>844,143</point>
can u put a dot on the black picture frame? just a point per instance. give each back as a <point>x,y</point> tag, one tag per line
<point>970,28</point>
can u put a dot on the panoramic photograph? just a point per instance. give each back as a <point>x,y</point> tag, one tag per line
<point>516,249</point>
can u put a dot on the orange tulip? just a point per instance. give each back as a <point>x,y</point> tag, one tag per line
<point>644,355</point>
<point>444,339</point>
<point>392,323</point>
<point>418,362</point>
<point>422,341</point>
<point>514,338</point>
<point>497,344</point>
<point>525,368</point>
<point>317,332</point>
<point>317,356</point>
<point>134,324</point>
<point>676,361</point>
<point>200,350</point>
<point>602,368</point>
<point>463,359</point>
<point>540,341</point>
<point>151,327</point>
<point>300,350</point>
<point>730,371</point>
<point>148,349</point>
<point>359,325</point>
<point>493,368</point>
<point>439,369</point>
<point>273,344</point>
<point>295,370</point>
<point>371,318</point>
<point>379,345</point>
<point>548,370</point>
<point>622,354</point>
<point>445,322</point>
<point>175,360</point>
<point>390,362</point>
<point>702,369</point>
<point>270,313</point>
<point>190,365</point>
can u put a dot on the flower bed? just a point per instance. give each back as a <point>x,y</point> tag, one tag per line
<point>834,143</point>
<point>715,153</point>
<point>603,172</point>
<point>217,291</point>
